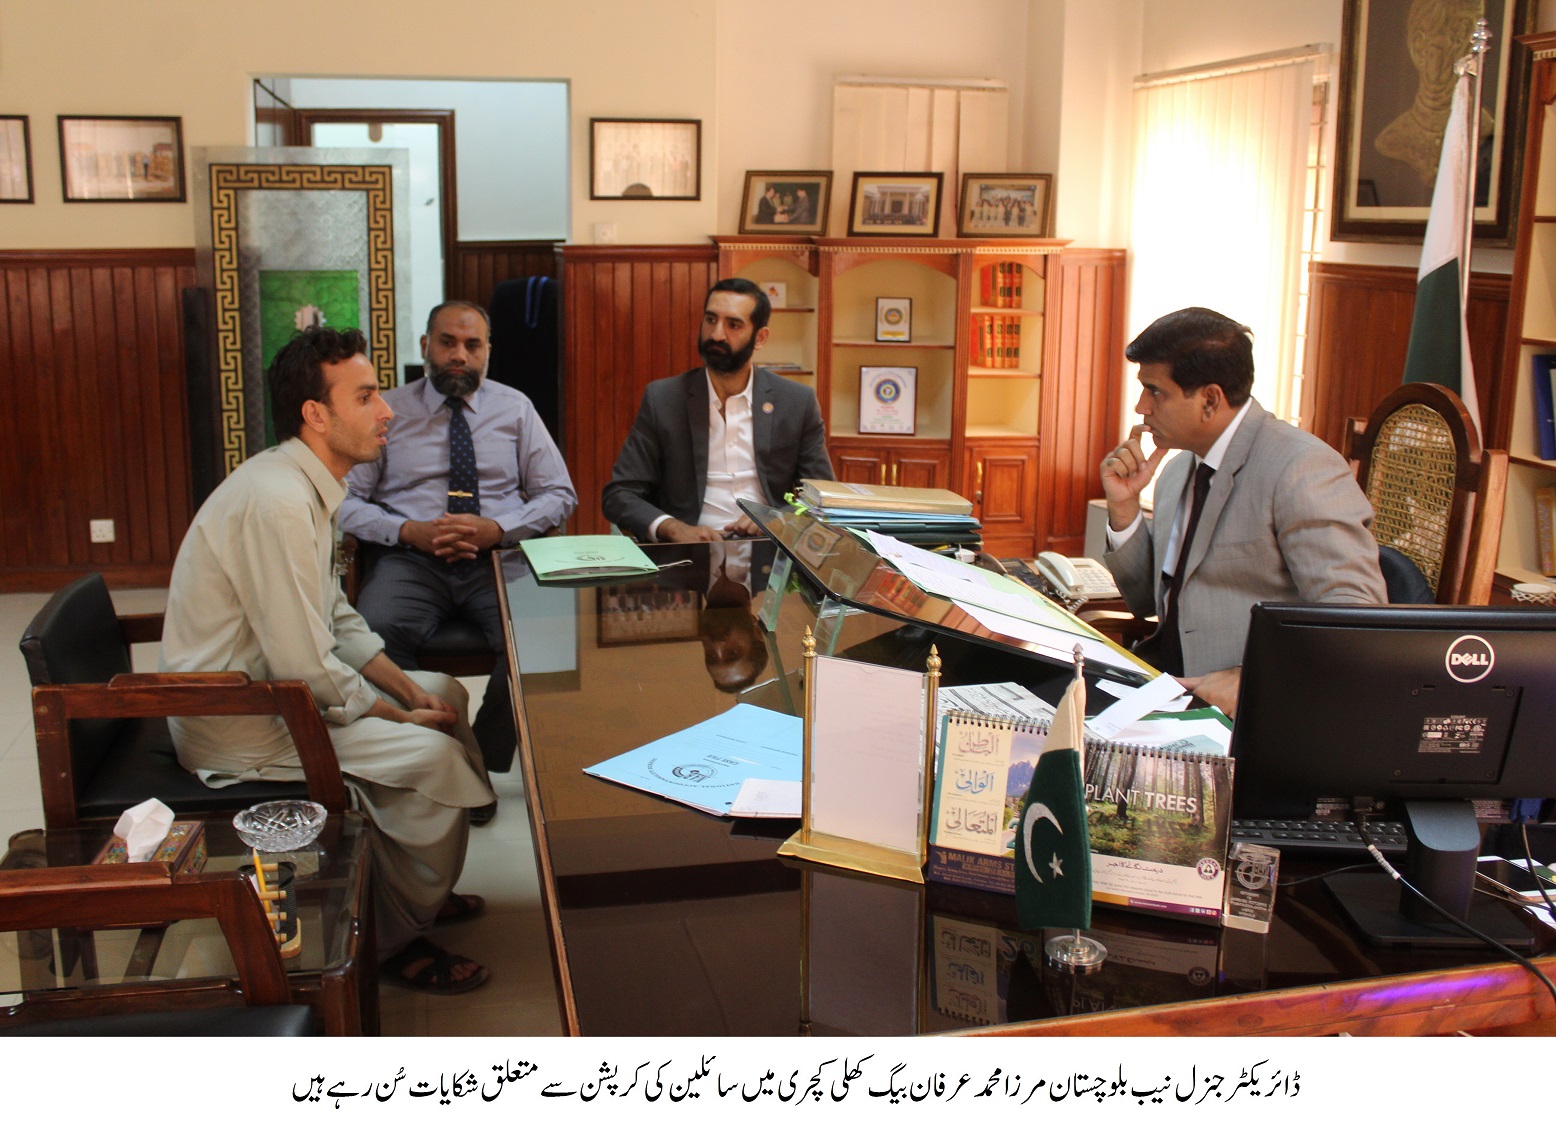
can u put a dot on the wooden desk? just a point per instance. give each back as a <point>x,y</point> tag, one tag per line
<point>663,921</point>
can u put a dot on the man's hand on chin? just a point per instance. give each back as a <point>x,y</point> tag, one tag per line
<point>1218,689</point>
<point>679,532</point>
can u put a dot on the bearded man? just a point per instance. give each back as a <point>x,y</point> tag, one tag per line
<point>710,436</point>
<point>468,466</point>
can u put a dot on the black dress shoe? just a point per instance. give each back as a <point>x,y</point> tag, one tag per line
<point>480,816</point>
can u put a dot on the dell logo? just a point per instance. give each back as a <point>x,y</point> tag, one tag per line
<point>1470,658</point>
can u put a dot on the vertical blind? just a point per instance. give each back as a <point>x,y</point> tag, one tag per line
<point>896,127</point>
<point>1220,159</point>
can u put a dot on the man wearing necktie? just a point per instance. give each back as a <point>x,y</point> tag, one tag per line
<point>1253,511</point>
<point>468,466</point>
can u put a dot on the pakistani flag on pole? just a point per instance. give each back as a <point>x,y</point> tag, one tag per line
<point>1439,351</point>
<point>1053,846</point>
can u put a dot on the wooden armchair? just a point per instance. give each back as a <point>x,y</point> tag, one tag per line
<point>145,894</point>
<point>1437,495</point>
<point>103,740</point>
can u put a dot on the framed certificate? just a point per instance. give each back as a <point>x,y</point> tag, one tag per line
<point>886,398</point>
<point>893,319</point>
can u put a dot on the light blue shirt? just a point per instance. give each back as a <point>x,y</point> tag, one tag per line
<point>525,486</point>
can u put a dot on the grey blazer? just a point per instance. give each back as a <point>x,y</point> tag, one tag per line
<point>663,465</point>
<point>1284,521</point>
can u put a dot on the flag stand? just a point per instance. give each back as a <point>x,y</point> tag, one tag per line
<point>1076,952</point>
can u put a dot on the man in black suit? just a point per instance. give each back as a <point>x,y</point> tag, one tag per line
<point>716,434</point>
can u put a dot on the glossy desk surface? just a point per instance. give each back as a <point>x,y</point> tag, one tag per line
<point>665,921</point>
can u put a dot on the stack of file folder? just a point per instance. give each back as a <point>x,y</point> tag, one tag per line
<point>926,517</point>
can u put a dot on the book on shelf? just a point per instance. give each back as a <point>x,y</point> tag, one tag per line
<point>821,493</point>
<point>1545,406</point>
<point>1545,527</point>
<point>1159,813</point>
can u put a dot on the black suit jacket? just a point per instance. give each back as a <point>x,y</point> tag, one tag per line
<point>663,465</point>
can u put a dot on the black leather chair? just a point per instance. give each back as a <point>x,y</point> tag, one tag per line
<point>134,896</point>
<point>103,740</point>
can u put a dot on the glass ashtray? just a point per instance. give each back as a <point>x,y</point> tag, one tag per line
<point>286,824</point>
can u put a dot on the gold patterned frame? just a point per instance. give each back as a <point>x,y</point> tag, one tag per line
<point>227,180</point>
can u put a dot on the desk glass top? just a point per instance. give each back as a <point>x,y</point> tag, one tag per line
<point>666,921</point>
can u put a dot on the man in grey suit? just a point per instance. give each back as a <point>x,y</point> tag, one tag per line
<point>1267,512</point>
<point>710,436</point>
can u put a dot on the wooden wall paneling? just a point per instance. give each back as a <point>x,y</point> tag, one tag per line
<point>97,426</point>
<point>479,266</point>
<point>630,315</point>
<point>1359,331</point>
<point>1081,391</point>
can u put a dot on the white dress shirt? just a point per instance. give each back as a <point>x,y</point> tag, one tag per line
<point>731,460</point>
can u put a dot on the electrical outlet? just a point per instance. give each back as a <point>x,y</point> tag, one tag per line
<point>102,532</point>
<point>604,233</point>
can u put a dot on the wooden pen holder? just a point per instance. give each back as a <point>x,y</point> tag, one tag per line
<point>280,900</point>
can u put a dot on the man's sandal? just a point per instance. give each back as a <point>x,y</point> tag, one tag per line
<point>436,978</point>
<point>460,907</point>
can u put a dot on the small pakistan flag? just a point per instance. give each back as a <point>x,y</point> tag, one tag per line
<point>1053,846</point>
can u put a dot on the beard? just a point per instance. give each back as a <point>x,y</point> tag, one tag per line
<point>717,355</point>
<point>454,380</point>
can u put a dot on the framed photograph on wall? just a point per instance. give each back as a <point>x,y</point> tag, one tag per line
<point>15,160</point>
<point>1006,205</point>
<point>645,159</point>
<point>786,203</point>
<point>895,203</point>
<point>886,398</point>
<point>118,159</point>
<point>1396,82</point>
<point>893,319</point>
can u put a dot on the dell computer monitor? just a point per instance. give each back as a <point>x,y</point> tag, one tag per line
<point>1426,714</point>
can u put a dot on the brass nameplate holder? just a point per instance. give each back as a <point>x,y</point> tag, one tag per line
<point>826,847</point>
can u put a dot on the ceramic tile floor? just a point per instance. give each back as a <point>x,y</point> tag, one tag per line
<point>518,999</point>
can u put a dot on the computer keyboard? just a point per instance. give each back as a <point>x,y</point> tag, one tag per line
<point>1320,837</point>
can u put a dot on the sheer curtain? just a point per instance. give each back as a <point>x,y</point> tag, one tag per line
<point>1221,167</point>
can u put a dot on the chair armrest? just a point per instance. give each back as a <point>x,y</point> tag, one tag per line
<point>139,894</point>
<point>144,627</point>
<point>192,695</point>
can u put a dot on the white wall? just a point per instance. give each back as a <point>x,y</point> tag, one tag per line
<point>196,59</point>
<point>1101,56</point>
<point>511,158</point>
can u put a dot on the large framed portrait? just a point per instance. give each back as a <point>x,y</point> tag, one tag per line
<point>645,159</point>
<point>1396,85</point>
<point>786,203</point>
<point>895,203</point>
<point>1005,205</point>
<point>135,159</point>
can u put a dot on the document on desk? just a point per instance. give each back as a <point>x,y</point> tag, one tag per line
<point>704,766</point>
<point>1003,605</point>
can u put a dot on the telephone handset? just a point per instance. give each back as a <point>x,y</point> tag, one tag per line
<point>1080,576</point>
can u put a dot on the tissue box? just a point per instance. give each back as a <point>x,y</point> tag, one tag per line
<point>183,849</point>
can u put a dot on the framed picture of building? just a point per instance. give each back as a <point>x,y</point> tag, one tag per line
<point>1396,86</point>
<point>15,160</point>
<point>134,159</point>
<point>645,159</point>
<point>895,203</point>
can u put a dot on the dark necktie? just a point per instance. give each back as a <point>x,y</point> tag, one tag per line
<point>1171,650</point>
<point>464,488</point>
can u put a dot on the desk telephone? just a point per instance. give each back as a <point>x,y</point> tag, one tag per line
<point>1079,576</point>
